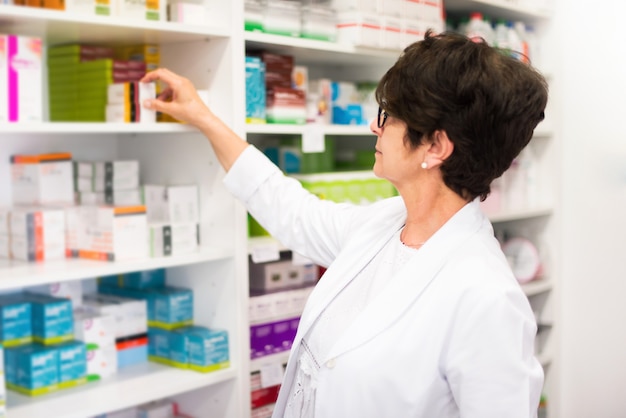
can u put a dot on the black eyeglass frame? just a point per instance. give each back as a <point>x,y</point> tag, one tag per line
<point>384,114</point>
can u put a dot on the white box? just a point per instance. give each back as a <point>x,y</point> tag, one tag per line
<point>367,6</point>
<point>116,169</point>
<point>95,329</point>
<point>392,33</point>
<point>130,197</point>
<point>92,7</point>
<point>42,179</point>
<point>131,315</point>
<point>358,28</point>
<point>113,233</point>
<point>103,183</point>
<point>171,204</point>
<point>83,169</point>
<point>25,249</point>
<point>22,78</point>
<point>125,102</point>
<point>142,9</point>
<point>29,222</point>
<point>83,184</point>
<point>173,239</point>
<point>102,363</point>
<point>413,31</point>
<point>72,290</point>
<point>37,234</point>
<point>187,12</point>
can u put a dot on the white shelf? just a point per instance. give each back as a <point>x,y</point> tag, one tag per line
<point>16,274</point>
<point>134,385</point>
<point>274,129</point>
<point>508,9</point>
<point>57,26</point>
<point>516,215</point>
<point>309,51</point>
<point>93,127</point>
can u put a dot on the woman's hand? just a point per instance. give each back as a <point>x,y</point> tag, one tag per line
<point>179,99</point>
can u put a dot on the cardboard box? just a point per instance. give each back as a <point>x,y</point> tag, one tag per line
<point>113,233</point>
<point>42,179</point>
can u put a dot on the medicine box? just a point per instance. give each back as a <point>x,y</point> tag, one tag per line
<point>167,307</point>
<point>142,9</point>
<point>15,321</point>
<point>171,203</point>
<point>159,342</point>
<point>21,75</point>
<point>101,362</point>
<point>36,369</point>
<point>52,318</point>
<point>142,279</point>
<point>92,7</point>
<point>130,314</point>
<point>359,29</point>
<point>72,364</point>
<point>208,348</point>
<point>132,350</point>
<point>115,197</point>
<point>42,179</point>
<point>95,330</point>
<point>173,239</point>
<point>37,234</point>
<point>191,13</point>
<point>113,233</point>
<point>255,90</point>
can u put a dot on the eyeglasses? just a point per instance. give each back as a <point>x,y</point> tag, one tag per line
<point>382,117</point>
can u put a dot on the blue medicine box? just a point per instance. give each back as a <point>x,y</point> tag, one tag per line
<point>207,348</point>
<point>72,363</point>
<point>15,321</point>
<point>36,369</point>
<point>135,280</point>
<point>52,318</point>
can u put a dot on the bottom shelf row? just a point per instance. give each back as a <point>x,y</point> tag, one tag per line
<point>88,348</point>
<point>134,385</point>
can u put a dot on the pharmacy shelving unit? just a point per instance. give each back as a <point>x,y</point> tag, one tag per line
<point>211,56</point>
<point>538,223</point>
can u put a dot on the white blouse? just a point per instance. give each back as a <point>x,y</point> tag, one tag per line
<point>338,316</point>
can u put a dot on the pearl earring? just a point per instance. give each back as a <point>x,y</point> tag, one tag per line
<point>424,165</point>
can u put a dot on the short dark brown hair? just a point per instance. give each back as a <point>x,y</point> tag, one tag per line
<point>486,101</point>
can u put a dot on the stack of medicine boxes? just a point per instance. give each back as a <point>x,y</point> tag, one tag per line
<point>79,76</point>
<point>112,223</point>
<point>34,228</point>
<point>172,337</point>
<point>41,352</point>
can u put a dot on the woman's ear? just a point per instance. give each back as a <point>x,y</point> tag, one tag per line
<point>439,149</point>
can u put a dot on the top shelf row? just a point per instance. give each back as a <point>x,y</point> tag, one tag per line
<point>63,27</point>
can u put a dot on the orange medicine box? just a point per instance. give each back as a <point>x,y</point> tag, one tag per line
<point>113,233</point>
<point>42,179</point>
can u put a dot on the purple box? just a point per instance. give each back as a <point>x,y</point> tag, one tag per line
<point>272,337</point>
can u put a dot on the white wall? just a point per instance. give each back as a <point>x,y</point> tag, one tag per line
<point>591,86</point>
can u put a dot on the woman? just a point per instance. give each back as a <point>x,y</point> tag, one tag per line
<point>418,314</point>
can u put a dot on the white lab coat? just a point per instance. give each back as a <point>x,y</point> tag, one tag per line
<point>451,336</point>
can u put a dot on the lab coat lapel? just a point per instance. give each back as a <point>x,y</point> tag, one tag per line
<point>344,269</point>
<point>411,281</point>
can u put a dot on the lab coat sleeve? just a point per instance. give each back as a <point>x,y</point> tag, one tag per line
<point>315,228</point>
<point>489,363</point>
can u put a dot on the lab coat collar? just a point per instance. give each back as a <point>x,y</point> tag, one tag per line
<point>405,288</point>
